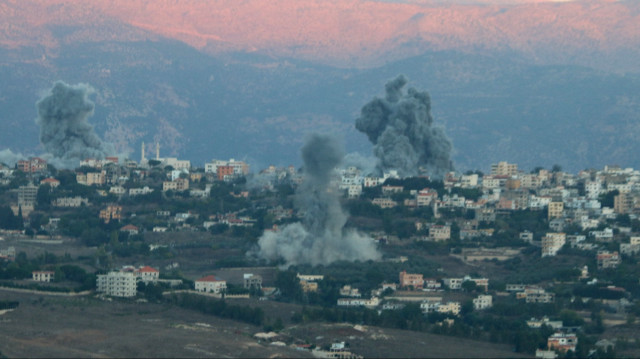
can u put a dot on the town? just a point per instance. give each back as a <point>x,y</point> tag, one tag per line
<point>544,261</point>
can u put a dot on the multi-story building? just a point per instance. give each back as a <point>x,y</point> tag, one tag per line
<point>117,284</point>
<point>43,276</point>
<point>384,202</point>
<point>210,284</point>
<point>140,191</point>
<point>552,243</point>
<point>147,274</point>
<point>469,181</point>
<point>251,280</point>
<point>410,279</point>
<point>180,184</point>
<point>439,232</point>
<point>70,202</point>
<point>453,283</point>
<point>359,302</point>
<point>536,295</point>
<point>450,307</point>
<point>27,195</point>
<point>504,169</point>
<point>607,259</point>
<point>32,165</point>
<point>623,203</point>
<point>112,212</point>
<point>426,197</point>
<point>482,302</point>
<point>555,210</point>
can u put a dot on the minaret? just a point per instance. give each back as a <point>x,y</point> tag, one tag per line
<point>158,151</point>
<point>142,153</point>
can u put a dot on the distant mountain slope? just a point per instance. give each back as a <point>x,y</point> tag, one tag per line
<point>260,108</point>
<point>596,33</point>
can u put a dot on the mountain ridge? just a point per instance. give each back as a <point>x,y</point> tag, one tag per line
<point>544,32</point>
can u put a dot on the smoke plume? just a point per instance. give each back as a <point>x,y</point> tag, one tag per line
<point>65,132</point>
<point>321,237</point>
<point>401,129</point>
<point>9,158</point>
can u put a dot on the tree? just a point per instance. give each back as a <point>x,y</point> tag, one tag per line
<point>43,196</point>
<point>469,286</point>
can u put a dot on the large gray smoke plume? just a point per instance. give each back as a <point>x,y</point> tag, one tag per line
<point>65,132</point>
<point>401,129</point>
<point>321,237</point>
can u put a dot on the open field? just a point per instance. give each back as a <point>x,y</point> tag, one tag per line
<point>44,326</point>
<point>47,326</point>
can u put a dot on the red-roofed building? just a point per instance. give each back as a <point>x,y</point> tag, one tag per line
<point>147,274</point>
<point>52,182</point>
<point>131,229</point>
<point>210,284</point>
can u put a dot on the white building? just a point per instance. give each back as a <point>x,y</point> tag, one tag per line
<point>147,274</point>
<point>358,302</point>
<point>482,302</point>
<point>43,276</point>
<point>210,284</point>
<point>117,284</point>
<point>139,191</point>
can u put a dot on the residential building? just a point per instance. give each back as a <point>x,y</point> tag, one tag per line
<point>359,302</point>
<point>348,291</point>
<point>606,259</point>
<point>71,202</point>
<point>482,302</point>
<point>308,287</point>
<point>140,191</point>
<point>387,190</point>
<point>210,284</point>
<point>130,229</point>
<point>32,165</point>
<point>52,182</point>
<point>112,212</point>
<point>450,307</point>
<point>117,284</point>
<point>27,195</point>
<point>310,277</point>
<point>552,243</point>
<point>180,184</point>
<point>538,323</point>
<point>117,190</point>
<point>562,342</point>
<point>251,280</point>
<point>469,181</point>
<point>426,197</point>
<point>43,276</point>
<point>439,232</point>
<point>147,274</point>
<point>411,280</point>
<point>481,283</point>
<point>504,169</point>
<point>555,210</point>
<point>384,202</point>
<point>605,235</point>
<point>536,295</point>
<point>453,283</point>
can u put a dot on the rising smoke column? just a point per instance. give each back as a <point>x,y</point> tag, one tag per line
<point>65,131</point>
<point>401,129</point>
<point>321,237</point>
